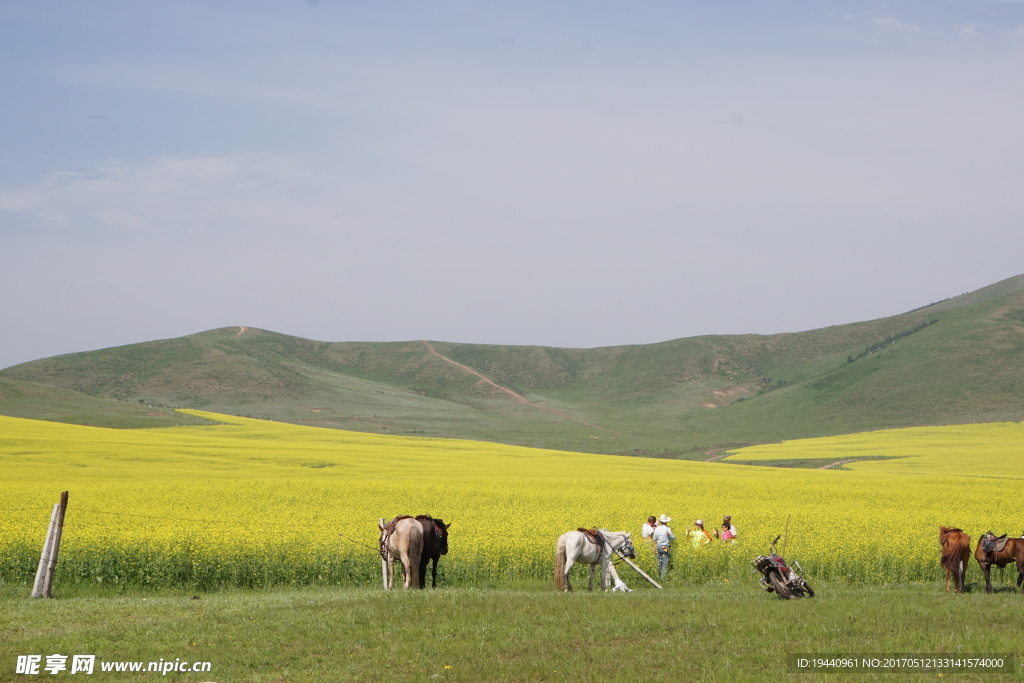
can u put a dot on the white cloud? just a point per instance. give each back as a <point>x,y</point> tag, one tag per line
<point>19,200</point>
<point>162,195</point>
<point>893,23</point>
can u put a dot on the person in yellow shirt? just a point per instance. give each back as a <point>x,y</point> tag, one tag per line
<point>698,537</point>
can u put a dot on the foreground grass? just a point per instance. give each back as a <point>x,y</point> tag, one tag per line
<point>720,632</point>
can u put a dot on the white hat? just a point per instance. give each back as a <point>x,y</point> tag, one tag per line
<point>699,522</point>
<point>665,519</point>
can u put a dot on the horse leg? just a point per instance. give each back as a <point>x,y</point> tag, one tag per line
<point>604,573</point>
<point>987,568</point>
<point>389,561</point>
<point>404,559</point>
<point>590,584</point>
<point>412,575</point>
<point>433,573</point>
<point>422,569</point>
<point>569,562</point>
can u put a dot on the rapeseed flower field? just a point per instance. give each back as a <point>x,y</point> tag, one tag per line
<point>253,503</point>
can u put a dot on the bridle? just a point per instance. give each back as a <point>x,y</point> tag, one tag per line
<point>625,549</point>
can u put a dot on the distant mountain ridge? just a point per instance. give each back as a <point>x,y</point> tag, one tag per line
<point>957,360</point>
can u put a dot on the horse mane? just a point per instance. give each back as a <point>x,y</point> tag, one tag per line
<point>436,521</point>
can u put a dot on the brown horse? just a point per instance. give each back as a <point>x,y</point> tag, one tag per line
<point>435,544</point>
<point>956,553</point>
<point>1012,553</point>
<point>402,538</point>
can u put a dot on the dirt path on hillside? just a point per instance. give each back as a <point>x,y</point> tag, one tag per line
<point>716,454</point>
<point>241,331</point>
<point>519,399</point>
<point>837,464</point>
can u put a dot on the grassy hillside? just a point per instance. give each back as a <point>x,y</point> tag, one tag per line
<point>41,402</point>
<point>957,360</point>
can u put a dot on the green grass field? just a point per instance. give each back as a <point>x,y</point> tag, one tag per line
<point>527,633</point>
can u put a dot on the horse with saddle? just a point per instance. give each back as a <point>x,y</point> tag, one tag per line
<point>999,551</point>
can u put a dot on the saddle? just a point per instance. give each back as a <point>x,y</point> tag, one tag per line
<point>430,520</point>
<point>389,527</point>
<point>433,522</point>
<point>595,537</point>
<point>992,544</point>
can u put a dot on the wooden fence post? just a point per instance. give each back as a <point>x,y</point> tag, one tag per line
<point>383,562</point>
<point>43,586</point>
<point>44,559</point>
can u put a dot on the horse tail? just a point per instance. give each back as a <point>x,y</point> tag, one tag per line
<point>956,550</point>
<point>965,558</point>
<point>950,555</point>
<point>951,540</point>
<point>560,563</point>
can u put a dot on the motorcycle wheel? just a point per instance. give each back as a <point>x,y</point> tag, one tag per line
<point>808,590</point>
<point>779,586</point>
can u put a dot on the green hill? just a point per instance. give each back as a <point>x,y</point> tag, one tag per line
<point>958,360</point>
<point>38,401</point>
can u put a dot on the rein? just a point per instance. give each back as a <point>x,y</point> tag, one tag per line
<point>614,552</point>
<point>355,541</point>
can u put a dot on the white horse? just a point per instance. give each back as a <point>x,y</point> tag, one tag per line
<point>575,546</point>
<point>402,539</point>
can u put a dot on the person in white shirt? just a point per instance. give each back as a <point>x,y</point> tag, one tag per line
<point>663,538</point>
<point>647,530</point>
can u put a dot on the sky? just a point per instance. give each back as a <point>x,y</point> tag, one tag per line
<point>574,174</point>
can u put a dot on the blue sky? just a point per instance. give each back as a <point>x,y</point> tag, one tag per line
<point>560,173</point>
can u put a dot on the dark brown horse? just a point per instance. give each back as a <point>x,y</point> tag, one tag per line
<point>956,553</point>
<point>435,544</point>
<point>1011,553</point>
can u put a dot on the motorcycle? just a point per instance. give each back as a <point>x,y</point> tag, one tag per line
<point>779,578</point>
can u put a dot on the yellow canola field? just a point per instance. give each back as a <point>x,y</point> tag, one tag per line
<point>254,503</point>
<point>970,450</point>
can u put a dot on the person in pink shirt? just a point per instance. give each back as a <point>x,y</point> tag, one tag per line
<point>728,532</point>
